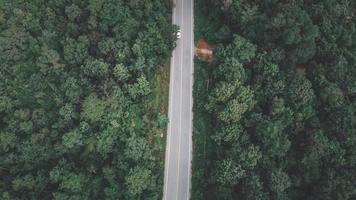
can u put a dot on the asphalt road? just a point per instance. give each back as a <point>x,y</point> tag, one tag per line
<point>177,171</point>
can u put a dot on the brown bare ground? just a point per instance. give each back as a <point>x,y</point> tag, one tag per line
<point>204,50</point>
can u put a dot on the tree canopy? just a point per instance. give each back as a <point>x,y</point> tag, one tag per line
<point>76,90</point>
<point>276,110</point>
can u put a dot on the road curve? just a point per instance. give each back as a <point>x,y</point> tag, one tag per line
<point>177,171</point>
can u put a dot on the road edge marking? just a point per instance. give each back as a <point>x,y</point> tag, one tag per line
<point>191,103</point>
<point>169,128</point>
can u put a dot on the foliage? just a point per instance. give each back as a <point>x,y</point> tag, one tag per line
<point>76,85</point>
<point>280,105</point>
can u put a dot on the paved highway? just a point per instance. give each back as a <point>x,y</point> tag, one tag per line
<point>177,171</point>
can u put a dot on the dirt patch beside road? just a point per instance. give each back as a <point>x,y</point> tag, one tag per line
<point>204,50</point>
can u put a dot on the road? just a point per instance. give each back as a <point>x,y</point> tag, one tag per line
<point>177,172</point>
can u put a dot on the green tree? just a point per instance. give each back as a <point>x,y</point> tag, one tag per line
<point>279,182</point>
<point>140,88</point>
<point>73,12</point>
<point>95,68</point>
<point>93,108</point>
<point>228,172</point>
<point>76,51</point>
<point>240,49</point>
<point>138,180</point>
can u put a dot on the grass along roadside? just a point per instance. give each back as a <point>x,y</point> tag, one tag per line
<point>158,105</point>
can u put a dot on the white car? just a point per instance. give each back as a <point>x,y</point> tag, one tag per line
<point>179,34</point>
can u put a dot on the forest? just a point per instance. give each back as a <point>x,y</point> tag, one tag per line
<point>275,112</point>
<point>81,89</point>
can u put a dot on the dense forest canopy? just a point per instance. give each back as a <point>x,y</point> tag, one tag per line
<point>278,119</point>
<point>76,96</point>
